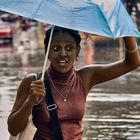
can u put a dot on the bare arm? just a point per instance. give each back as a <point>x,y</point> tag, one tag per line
<point>27,95</point>
<point>95,74</point>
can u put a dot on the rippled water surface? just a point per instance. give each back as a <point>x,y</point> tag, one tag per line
<point>113,108</point>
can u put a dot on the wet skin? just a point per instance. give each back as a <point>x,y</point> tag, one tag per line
<point>63,52</point>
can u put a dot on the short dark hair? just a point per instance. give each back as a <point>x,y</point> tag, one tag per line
<point>75,34</point>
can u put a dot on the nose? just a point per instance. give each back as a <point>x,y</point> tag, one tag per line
<point>63,53</point>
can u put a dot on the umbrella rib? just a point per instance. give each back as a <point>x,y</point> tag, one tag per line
<point>38,8</point>
<point>107,22</point>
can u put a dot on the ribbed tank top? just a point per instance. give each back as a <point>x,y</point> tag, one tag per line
<point>70,113</point>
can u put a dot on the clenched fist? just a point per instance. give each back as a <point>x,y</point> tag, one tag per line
<point>37,91</point>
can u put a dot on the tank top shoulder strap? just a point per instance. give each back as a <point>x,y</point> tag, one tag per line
<point>81,81</point>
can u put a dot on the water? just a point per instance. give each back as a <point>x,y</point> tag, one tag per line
<point>113,113</point>
<point>113,108</point>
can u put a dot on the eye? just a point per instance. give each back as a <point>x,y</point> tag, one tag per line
<point>55,48</point>
<point>70,48</point>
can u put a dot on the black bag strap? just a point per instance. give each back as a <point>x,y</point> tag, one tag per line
<point>52,108</point>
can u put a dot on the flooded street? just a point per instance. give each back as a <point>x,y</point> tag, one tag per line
<point>113,108</point>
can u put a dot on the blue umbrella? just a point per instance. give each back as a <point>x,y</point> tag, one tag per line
<point>101,17</point>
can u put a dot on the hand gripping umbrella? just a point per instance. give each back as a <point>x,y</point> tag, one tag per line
<point>101,17</point>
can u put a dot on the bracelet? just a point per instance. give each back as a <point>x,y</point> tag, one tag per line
<point>132,51</point>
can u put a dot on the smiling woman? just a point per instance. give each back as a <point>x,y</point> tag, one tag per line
<point>64,48</point>
<point>69,86</point>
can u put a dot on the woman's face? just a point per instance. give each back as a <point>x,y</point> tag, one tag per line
<point>63,52</point>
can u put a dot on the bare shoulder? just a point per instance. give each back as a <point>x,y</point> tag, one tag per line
<point>87,75</point>
<point>88,71</point>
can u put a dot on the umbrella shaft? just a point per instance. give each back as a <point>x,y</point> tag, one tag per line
<point>47,53</point>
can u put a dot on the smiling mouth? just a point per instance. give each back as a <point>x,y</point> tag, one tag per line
<point>63,62</point>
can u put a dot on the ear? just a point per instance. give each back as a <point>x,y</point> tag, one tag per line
<point>78,50</point>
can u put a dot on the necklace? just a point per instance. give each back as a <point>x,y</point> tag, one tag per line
<point>64,97</point>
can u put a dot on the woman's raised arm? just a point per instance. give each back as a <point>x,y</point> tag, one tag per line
<point>96,74</point>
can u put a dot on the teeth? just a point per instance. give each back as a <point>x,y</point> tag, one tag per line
<point>62,61</point>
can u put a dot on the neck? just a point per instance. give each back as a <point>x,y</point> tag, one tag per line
<point>56,75</point>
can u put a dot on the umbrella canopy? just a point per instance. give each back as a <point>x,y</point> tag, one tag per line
<point>101,17</point>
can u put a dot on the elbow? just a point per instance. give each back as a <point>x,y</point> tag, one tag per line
<point>132,62</point>
<point>133,65</point>
<point>12,132</point>
<point>137,63</point>
<point>12,128</point>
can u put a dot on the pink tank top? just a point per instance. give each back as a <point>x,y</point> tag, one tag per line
<point>70,112</point>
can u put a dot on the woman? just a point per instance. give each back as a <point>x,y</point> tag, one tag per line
<point>69,86</point>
